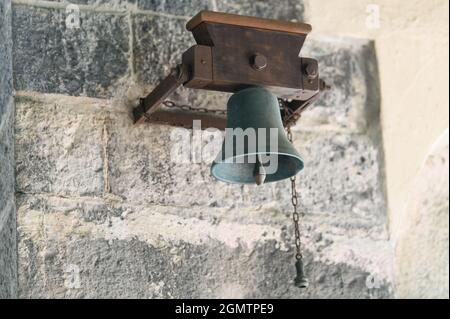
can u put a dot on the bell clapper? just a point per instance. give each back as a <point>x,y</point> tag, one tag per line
<point>259,173</point>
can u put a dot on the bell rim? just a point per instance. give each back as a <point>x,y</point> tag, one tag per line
<point>216,163</point>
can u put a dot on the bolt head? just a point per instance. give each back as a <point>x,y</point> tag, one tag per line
<point>311,70</point>
<point>259,62</point>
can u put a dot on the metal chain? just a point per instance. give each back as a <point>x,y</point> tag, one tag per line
<point>185,107</point>
<point>295,214</point>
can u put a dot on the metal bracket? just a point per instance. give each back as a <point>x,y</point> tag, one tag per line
<point>149,105</point>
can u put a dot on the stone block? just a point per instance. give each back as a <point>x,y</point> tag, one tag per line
<point>94,4</point>
<point>8,251</point>
<point>7,155</point>
<point>342,174</point>
<point>342,177</point>
<point>6,87</point>
<point>8,244</point>
<point>187,8</point>
<point>158,45</point>
<point>349,67</point>
<point>288,10</point>
<point>59,147</point>
<point>153,253</point>
<point>155,164</point>
<point>144,168</point>
<point>52,57</point>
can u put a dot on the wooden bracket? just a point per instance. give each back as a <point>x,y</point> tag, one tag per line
<point>234,52</point>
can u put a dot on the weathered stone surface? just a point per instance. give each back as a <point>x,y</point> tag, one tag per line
<point>94,4</point>
<point>186,8</point>
<point>7,157</point>
<point>49,56</point>
<point>145,164</point>
<point>291,10</point>
<point>58,148</point>
<point>6,86</point>
<point>342,176</point>
<point>349,66</point>
<point>8,246</point>
<point>140,159</point>
<point>422,239</point>
<point>158,45</point>
<point>151,252</point>
<point>8,252</point>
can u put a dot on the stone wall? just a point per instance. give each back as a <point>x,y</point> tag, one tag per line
<point>8,247</point>
<point>103,211</point>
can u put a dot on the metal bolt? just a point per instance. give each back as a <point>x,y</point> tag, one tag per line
<point>259,62</point>
<point>311,70</point>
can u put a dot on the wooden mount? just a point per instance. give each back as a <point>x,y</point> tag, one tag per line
<point>235,52</point>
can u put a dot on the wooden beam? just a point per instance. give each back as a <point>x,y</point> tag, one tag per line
<point>250,22</point>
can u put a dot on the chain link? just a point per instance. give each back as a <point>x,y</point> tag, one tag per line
<point>185,107</point>
<point>295,214</point>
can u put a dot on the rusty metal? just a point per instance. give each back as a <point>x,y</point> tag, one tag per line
<point>149,104</point>
<point>185,119</point>
<point>236,52</point>
<point>258,61</point>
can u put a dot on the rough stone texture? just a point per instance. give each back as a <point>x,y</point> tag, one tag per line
<point>159,43</point>
<point>6,160</point>
<point>349,66</point>
<point>422,245</point>
<point>8,244</point>
<point>186,8</point>
<point>291,10</point>
<point>51,57</point>
<point>54,157</point>
<point>8,254</point>
<point>342,175</point>
<point>67,253</point>
<point>112,4</point>
<point>112,184</point>
<point>6,86</point>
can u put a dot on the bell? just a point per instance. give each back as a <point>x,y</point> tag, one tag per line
<point>300,281</point>
<point>255,148</point>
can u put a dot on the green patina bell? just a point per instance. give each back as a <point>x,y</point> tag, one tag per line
<point>256,148</point>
